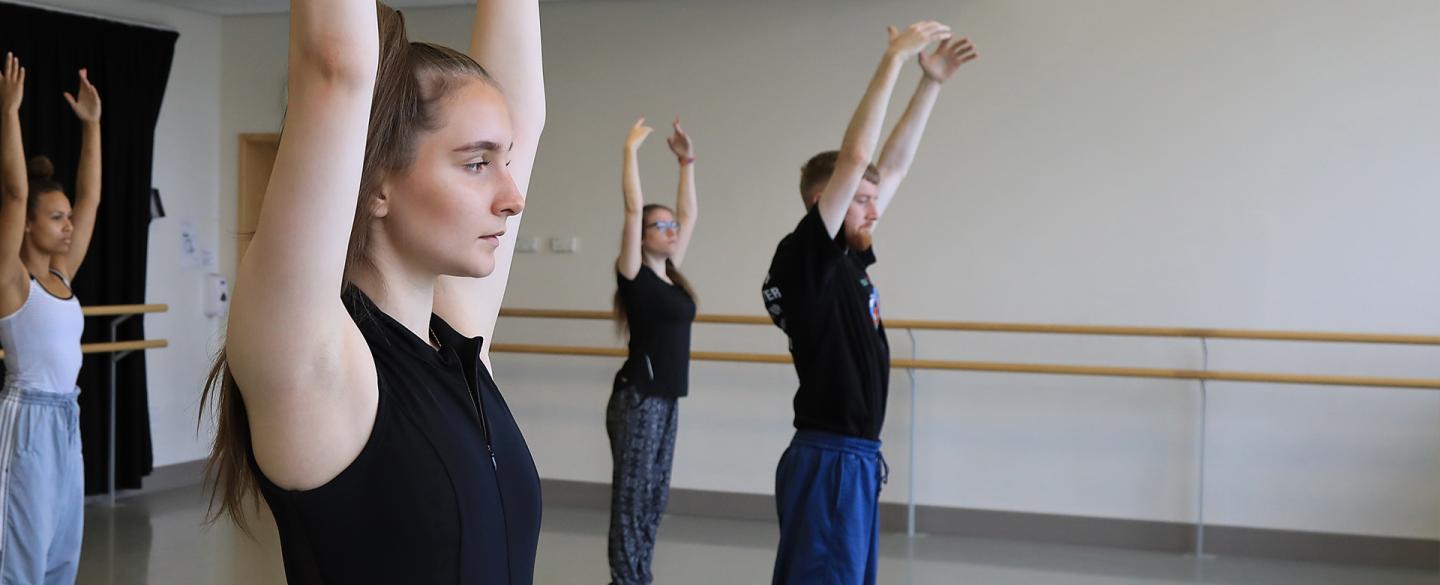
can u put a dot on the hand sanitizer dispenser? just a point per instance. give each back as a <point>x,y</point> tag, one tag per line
<point>217,295</point>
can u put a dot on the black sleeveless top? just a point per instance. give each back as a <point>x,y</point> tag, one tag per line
<point>427,500</point>
<point>659,315</point>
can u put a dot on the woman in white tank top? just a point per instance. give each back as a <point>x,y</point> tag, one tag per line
<point>43,239</point>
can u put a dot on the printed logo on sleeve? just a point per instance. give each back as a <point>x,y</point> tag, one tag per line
<point>874,301</point>
<point>772,303</point>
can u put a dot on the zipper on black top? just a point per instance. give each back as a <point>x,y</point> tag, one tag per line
<point>480,414</point>
<point>484,427</point>
<point>489,447</point>
<point>472,389</point>
<point>480,411</point>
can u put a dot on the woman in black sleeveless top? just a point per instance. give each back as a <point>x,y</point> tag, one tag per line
<point>658,305</point>
<point>353,392</point>
<point>445,482</point>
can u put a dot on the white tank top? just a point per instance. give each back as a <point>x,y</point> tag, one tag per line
<point>42,341</point>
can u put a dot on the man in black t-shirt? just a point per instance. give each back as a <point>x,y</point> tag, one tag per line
<point>827,485</point>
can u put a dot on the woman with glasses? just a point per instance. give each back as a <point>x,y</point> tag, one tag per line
<point>655,305</point>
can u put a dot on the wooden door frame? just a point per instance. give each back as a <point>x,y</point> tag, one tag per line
<point>257,157</point>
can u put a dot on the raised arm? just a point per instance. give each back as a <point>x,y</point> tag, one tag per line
<point>506,41</point>
<point>292,347</point>
<point>628,263</point>
<point>87,179</point>
<point>14,182</point>
<point>904,141</point>
<point>687,208</point>
<point>864,129</point>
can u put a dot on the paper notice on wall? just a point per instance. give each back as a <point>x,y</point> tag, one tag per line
<point>189,248</point>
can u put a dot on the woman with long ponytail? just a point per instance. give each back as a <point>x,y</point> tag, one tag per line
<point>348,395</point>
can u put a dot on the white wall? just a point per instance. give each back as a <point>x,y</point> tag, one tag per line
<point>1267,164</point>
<point>187,139</point>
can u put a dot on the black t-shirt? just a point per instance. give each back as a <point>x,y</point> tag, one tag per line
<point>817,291</point>
<point>660,315</point>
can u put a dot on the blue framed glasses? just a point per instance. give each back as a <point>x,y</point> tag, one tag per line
<point>665,225</point>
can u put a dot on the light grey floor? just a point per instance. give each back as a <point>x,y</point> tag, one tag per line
<point>159,539</point>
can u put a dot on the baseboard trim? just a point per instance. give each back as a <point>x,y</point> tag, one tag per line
<point>1173,537</point>
<point>169,477</point>
<point>163,478</point>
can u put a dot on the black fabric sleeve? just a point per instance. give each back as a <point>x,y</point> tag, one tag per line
<point>800,271</point>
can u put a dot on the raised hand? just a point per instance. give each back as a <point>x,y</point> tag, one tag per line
<point>87,107</point>
<point>12,85</point>
<point>916,37</point>
<point>680,144</point>
<point>638,133</point>
<point>947,59</point>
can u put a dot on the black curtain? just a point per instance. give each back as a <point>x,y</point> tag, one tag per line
<point>129,66</point>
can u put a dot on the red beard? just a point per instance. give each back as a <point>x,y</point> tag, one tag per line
<point>859,241</point>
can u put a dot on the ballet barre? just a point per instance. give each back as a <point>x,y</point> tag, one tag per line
<point>1016,368</point>
<point>1054,329</point>
<point>911,365</point>
<point>118,346</point>
<point>121,349</point>
<point>114,310</point>
<point>118,350</point>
